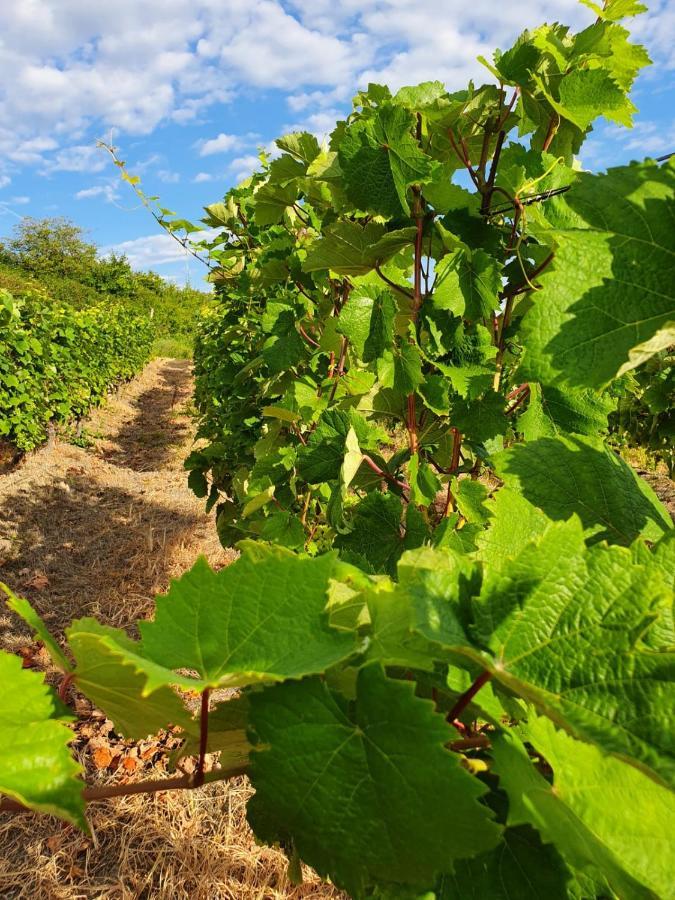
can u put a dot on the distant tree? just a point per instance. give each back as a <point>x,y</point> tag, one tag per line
<point>54,246</point>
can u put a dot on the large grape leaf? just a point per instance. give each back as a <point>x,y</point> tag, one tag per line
<point>36,767</point>
<point>468,284</point>
<point>345,248</point>
<point>566,475</point>
<point>521,867</point>
<point>367,320</point>
<point>365,792</point>
<point>352,249</point>
<point>551,411</point>
<point>514,523</point>
<point>381,159</point>
<point>534,801</point>
<point>561,626</point>
<point>380,532</point>
<point>117,685</point>
<point>607,302</point>
<point>601,790</point>
<point>260,619</point>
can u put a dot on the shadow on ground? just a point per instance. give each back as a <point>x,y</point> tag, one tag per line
<point>79,547</point>
<point>150,438</point>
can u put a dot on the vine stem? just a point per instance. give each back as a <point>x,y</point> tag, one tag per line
<point>383,474</point>
<point>203,737</point>
<point>413,439</point>
<point>468,696</point>
<point>104,792</point>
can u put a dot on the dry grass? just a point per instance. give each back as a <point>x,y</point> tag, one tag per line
<point>99,532</point>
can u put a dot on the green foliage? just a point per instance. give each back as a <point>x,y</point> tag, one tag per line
<point>56,362</point>
<point>52,256</point>
<point>451,626</point>
<point>446,327</point>
<point>349,715</point>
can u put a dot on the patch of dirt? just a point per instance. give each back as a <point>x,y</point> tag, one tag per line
<point>100,531</point>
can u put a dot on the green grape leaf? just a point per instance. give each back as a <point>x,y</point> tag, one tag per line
<point>381,159</point>
<point>480,420</point>
<point>322,458</point>
<point>368,792</point>
<point>566,475</point>
<point>553,410</point>
<point>424,484</point>
<point>468,284</point>
<point>285,529</point>
<point>586,94</point>
<point>367,320</point>
<point>514,522</point>
<point>22,608</point>
<point>280,630</point>
<point>36,767</point>
<point>379,532</point>
<point>521,867</point>
<point>534,801</point>
<point>271,202</point>
<point>346,248</point>
<point>595,787</point>
<point>301,145</point>
<point>606,304</point>
<point>470,497</point>
<point>560,601</point>
<point>115,684</point>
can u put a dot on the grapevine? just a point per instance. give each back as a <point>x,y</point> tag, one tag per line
<point>450,629</point>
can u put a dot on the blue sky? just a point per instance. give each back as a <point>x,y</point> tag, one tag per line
<point>190,91</point>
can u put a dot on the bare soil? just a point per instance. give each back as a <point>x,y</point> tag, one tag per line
<point>99,531</point>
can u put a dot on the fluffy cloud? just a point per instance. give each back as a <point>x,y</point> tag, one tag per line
<point>149,251</point>
<point>221,144</point>
<point>77,67</point>
<point>107,191</point>
<point>154,250</point>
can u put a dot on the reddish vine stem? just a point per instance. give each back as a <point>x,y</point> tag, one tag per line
<point>104,792</point>
<point>392,284</point>
<point>383,474</point>
<point>310,340</point>
<point>471,743</point>
<point>66,681</point>
<point>468,696</point>
<point>489,188</point>
<point>203,737</point>
<point>550,134</point>
<point>519,401</point>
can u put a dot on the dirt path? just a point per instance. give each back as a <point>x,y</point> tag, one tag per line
<point>99,531</point>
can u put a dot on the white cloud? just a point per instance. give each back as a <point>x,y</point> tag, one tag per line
<point>201,177</point>
<point>19,201</point>
<point>80,158</point>
<point>107,191</point>
<point>5,180</point>
<point>155,249</point>
<point>243,167</point>
<point>221,144</point>
<point>77,66</point>
<point>149,251</point>
<point>168,177</point>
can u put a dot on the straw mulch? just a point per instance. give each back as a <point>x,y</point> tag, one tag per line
<point>99,531</point>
